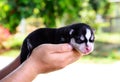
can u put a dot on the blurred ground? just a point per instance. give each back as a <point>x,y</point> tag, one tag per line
<point>78,72</point>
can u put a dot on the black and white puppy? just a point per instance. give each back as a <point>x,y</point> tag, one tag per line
<point>79,35</point>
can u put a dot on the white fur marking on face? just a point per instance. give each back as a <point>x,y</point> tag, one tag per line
<point>82,37</point>
<point>82,47</point>
<point>71,31</point>
<point>88,34</point>
<point>92,37</point>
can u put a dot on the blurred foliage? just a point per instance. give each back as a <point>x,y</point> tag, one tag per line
<point>107,45</point>
<point>53,12</point>
<point>4,35</point>
<point>111,38</point>
<point>14,42</point>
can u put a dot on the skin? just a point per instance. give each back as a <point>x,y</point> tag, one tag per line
<point>45,58</point>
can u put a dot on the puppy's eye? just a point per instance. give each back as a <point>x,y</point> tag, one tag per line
<point>80,39</point>
<point>91,39</point>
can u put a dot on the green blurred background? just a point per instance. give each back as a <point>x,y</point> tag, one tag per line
<point>20,17</point>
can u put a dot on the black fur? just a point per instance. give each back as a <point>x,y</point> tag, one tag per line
<point>54,36</point>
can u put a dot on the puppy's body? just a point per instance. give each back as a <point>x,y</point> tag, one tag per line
<point>79,35</point>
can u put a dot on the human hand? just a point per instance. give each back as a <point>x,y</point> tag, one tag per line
<point>45,58</point>
<point>51,57</point>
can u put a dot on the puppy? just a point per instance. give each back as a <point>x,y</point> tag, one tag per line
<point>79,35</point>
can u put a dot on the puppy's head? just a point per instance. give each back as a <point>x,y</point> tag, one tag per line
<point>82,38</point>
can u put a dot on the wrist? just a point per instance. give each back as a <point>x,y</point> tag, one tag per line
<point>36,66</point>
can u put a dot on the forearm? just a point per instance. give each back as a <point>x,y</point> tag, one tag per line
<point>8,69</point>
<point>22,73</point>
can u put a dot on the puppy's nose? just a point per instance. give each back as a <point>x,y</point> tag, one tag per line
<point>88,48</point>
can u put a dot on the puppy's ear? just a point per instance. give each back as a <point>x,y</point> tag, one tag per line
<point>93,30</point>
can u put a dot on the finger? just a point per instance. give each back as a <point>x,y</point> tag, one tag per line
<point>68,58</point>
<point>77,52</point>
<point>60,47</point>
<point>73,57</point>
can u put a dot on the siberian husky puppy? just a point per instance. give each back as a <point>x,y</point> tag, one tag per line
<point>79,35</point>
